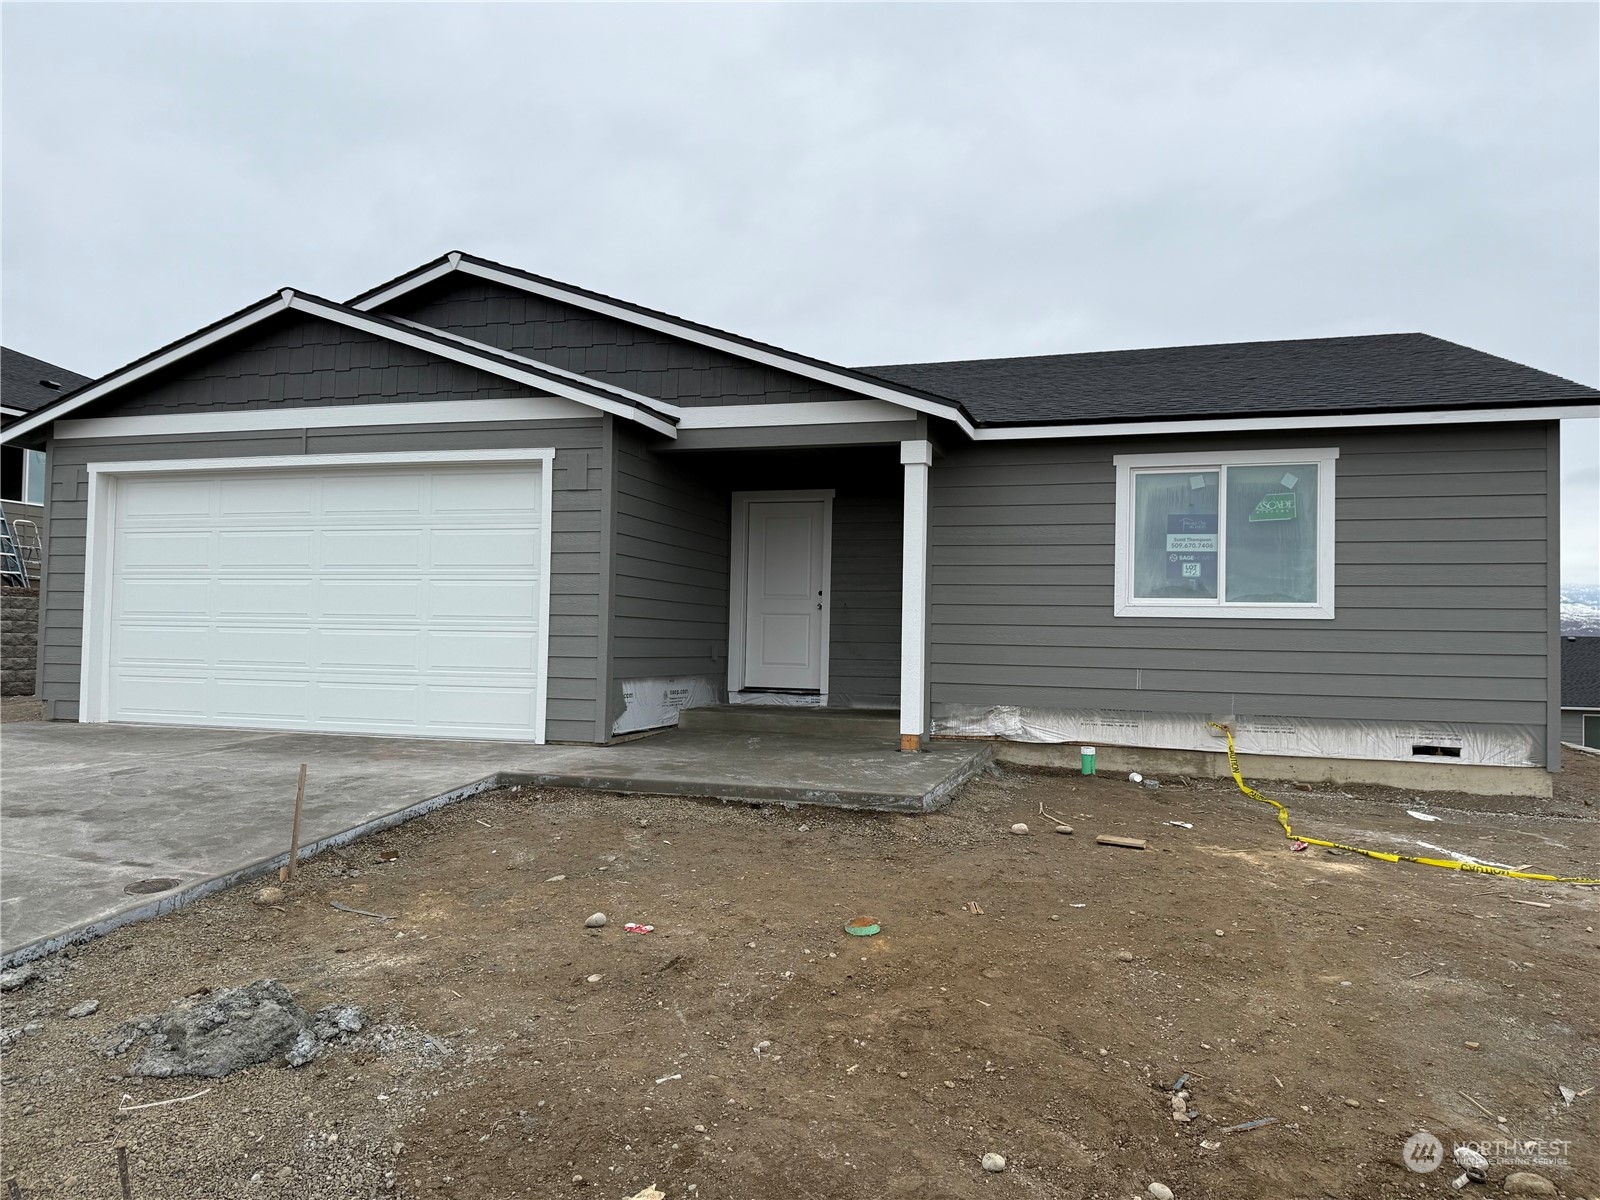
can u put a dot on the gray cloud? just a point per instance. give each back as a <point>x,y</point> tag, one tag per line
<point>864,183</point>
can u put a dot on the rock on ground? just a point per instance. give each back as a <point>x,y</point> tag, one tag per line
<point>234,1028</point>
<point>1528,1183</point>
<point>994,1162</point>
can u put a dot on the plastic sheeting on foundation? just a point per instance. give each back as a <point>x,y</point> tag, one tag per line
<point>1397,741</point>
<point>656,703</point>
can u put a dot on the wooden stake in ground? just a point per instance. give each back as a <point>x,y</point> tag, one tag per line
<point>122,1173</point>
<point>294,833</point>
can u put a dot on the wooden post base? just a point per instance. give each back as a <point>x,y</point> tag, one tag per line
<point>910,743</point>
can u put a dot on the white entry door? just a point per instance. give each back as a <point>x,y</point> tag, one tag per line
<point>786,586</point>
<point>392,600</point>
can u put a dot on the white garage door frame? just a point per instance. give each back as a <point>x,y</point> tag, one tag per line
<point>100,537</point>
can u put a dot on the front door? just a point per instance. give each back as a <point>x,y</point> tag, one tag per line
<point>786,602</point>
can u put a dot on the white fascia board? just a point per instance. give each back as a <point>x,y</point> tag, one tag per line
<point>411,283</point>
<point>1480,416</point>
<point>10,412</point>
<point>122,378</point>
<point>432,345</point>
<point>688,333</point>
<point>661,406</point>
<point>820,412</point>
<point>343,416</point>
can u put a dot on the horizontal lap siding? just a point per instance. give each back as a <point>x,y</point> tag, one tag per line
<point>630,356</point>
<point>670,574</point>
<point>575,537</point>
<point>864,642</point>
<point>1441,569</point>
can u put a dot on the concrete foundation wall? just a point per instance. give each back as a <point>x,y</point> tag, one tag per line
<point>1472,779</point>
<point>19,640</point>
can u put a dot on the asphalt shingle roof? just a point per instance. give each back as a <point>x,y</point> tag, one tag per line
<point>22,380</point>
<point>1580,672</point>
<point>1380,372</point>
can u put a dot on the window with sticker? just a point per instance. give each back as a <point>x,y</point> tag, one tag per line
<point>1247,534</point>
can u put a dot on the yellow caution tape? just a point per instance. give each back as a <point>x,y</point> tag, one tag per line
<point>1449,864</point>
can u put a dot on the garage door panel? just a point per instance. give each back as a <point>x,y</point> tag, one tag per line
<point>261,495</point>
<point>399,601</point>
<point>166,499</point>
<point>165,644</point>
<point>361,550</point>
<point>264,550</point>
<point>399,651</point>
<point>484,600</point>
<point>164,597</point>
<point>255,646</point>
<point>168,550</point>
<point>483,652</point>
<point>262,597</point>
<point>488,494</point>
<point>368,702</point>
<point>468,706</point>
<point>372,599</point>
<point>256,700</point>
<point>161,697</point>
<point>375,493</point>
<point>494,549</point>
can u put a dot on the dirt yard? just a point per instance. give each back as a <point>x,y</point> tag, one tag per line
<point>1033,996</point>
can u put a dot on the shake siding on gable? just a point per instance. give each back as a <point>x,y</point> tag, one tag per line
<point>295,361</point>
<point>574,339</point>
<point>1441,569</point>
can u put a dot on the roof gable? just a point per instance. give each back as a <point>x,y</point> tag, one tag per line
<point>270,368</point>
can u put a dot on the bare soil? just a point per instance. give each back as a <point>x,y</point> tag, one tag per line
<point>1354,1001</point>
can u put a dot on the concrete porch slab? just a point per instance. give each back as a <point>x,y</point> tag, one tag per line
<point>86,810</point>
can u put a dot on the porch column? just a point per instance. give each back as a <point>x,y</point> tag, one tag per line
<point>916,458</point>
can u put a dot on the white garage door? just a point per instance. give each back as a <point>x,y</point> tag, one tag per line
<point>394,600</point>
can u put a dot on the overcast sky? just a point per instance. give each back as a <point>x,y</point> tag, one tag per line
<point>864,184</point>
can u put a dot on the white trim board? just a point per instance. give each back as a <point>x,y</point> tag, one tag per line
<point>1286,424</point>
<point>344,416</point>
<point>784,362</point>
<point>1125,604</point>
<point>739,572</point>
<point>816,412</point>
<point>100,529</point>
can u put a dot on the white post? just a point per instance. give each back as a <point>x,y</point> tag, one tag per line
<point>917,458</point>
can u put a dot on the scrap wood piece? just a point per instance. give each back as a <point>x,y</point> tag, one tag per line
<point>1248,1125</point>
<point>1532,903</point>
<point>125,1107</point>
<point>1127,843</point>
<point>972,907</point>
<point>361,912</point>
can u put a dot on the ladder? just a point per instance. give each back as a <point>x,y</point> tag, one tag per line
<point>12,569</point>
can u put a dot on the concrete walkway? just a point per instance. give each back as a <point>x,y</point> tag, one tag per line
<point>86,810</point>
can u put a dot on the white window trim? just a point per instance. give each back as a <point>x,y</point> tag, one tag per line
<point>1124,603</point>
<point>94,695</point>
<point>738,580</point>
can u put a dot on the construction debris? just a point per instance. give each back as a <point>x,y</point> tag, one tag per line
<point>1127,843</point>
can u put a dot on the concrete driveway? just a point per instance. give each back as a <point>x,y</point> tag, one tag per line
<point>88,810</point>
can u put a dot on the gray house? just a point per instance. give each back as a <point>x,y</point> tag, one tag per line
<point>477,502</point>
<point>1580,691</point>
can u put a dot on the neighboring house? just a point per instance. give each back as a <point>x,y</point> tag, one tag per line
<point>27,384</point>
<point>474,502</point>
<point>1580,691</point>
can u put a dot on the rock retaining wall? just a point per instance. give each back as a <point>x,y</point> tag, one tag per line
<point>19,640</point>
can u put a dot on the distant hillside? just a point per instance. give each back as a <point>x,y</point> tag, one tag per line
<point>1580,608</point>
